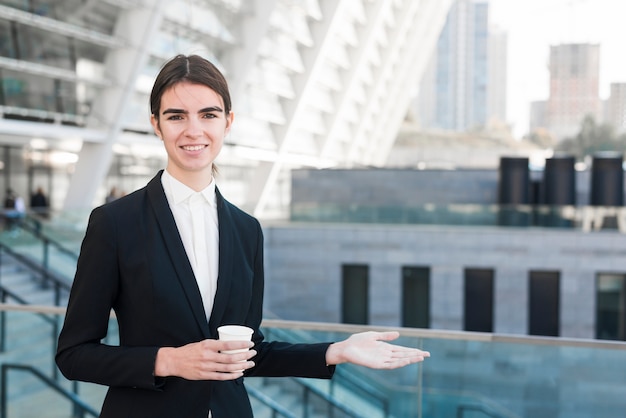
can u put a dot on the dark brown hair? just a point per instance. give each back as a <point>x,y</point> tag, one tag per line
<point>193,69</point>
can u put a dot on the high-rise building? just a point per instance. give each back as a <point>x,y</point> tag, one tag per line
<point>616,107</point>
<point>497,74</point>
<point>465,85</point>
<point>574,88</point>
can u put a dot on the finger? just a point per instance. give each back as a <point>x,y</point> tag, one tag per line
<point>411,353</point>
<point>387,335</point>
<point>235,345</point>
<point>239,357</point>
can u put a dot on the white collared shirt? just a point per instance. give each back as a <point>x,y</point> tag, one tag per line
<point>178,195</point>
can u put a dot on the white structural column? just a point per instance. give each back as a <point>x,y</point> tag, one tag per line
<point>250,31</point>
<point>374,15</point>
<point>421,40</point>
<point>137,26</point>
<point>402,17</point>
<point>267,172</point>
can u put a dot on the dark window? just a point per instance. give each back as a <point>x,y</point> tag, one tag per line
<point>610,306</point>
<point>478,300</point>
<point>415,297</point>
<point>355,280</point>
<point>543,301</point>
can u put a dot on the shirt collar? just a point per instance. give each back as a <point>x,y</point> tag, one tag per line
<point>181,192</point>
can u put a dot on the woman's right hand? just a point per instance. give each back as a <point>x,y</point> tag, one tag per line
<point>205,360</point>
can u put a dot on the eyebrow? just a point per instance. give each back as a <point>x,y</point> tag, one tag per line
<point>203,110</point>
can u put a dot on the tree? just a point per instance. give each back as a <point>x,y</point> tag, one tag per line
<point>592,138</point>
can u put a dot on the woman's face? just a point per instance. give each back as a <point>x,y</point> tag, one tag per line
<point>192,125</point>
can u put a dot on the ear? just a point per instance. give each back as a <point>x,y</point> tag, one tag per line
<point>155,125</point>
<point>229,122</point>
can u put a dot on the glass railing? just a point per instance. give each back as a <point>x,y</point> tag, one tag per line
<point>586,218</point>
<point>468,375</point>
<point>482,375</point>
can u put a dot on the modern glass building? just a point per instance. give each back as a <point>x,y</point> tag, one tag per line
<point>315,83</point>
<point>464,76</point>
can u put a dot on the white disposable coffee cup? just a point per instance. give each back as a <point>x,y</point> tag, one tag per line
<point>235,333</point>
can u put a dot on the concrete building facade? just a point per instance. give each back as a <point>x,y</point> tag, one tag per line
<point>536,273</point>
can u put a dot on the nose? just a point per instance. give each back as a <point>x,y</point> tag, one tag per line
<point>193,128</point>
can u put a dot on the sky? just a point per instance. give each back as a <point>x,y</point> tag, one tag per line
<point>534,25</point>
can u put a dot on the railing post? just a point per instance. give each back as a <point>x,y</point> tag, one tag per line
<point>305,403</point>
<point>3,392</point>
<point>420,384</point>
<point>55,335</point>
<point>76,411</point>
<point>3,322</point>
<point>331,393</point>
<point>46,251</point>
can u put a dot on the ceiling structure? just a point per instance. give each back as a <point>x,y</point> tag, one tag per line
<point>314,83</point>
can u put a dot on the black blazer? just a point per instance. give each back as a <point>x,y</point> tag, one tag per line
<point>132,260</point>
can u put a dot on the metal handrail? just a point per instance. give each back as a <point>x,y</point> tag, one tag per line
<point>446,334</point>
<point>328,399</point>
<point>370,391</point>
<point>80,406</point>
<point>277,409</point>
<point>405,332</point>
<point>34,226</point>
<point>59,282</point>
<point>461,409</point>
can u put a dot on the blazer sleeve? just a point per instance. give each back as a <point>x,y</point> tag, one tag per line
<point>279,359</point>
<point>81,355</point>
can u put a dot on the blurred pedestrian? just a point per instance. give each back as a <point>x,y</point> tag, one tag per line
<point>39,203</point>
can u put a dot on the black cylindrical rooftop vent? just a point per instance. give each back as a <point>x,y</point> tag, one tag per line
<point>559,181</point>
<point>514,181</point>
<point>607,180</point>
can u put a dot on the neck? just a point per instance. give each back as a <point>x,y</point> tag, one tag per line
<point>196,181</point>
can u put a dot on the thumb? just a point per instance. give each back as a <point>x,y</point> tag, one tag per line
<point>388,335</point>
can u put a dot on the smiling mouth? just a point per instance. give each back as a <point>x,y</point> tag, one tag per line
<point>193,147</point>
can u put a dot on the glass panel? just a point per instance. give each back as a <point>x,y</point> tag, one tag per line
<point>584,218</point>
<point>6,40</point>
<point>499,376</point>
<point>28,346</point>
<point>32,92</point>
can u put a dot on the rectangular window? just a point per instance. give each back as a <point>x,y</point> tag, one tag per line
<point>543,300</point>
<point>416,297</point>
<point>478,310</point>
<point>611,306</point>
<point>355,294</point>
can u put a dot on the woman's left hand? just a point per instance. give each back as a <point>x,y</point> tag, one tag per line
<point>370,349</point>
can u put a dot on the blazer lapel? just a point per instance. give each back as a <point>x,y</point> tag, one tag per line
<point>176,250</point>
<point>225,263</point>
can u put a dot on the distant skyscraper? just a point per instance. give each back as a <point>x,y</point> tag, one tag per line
<point>574,88</point>
<point>616,107</point>
<point>538,113</point>
<point>465,84</point>
<point>496,89</point>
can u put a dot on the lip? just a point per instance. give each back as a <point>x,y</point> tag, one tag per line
<point>194,148</point>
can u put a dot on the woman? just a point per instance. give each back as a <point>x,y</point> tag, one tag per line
<point>139,258</point>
